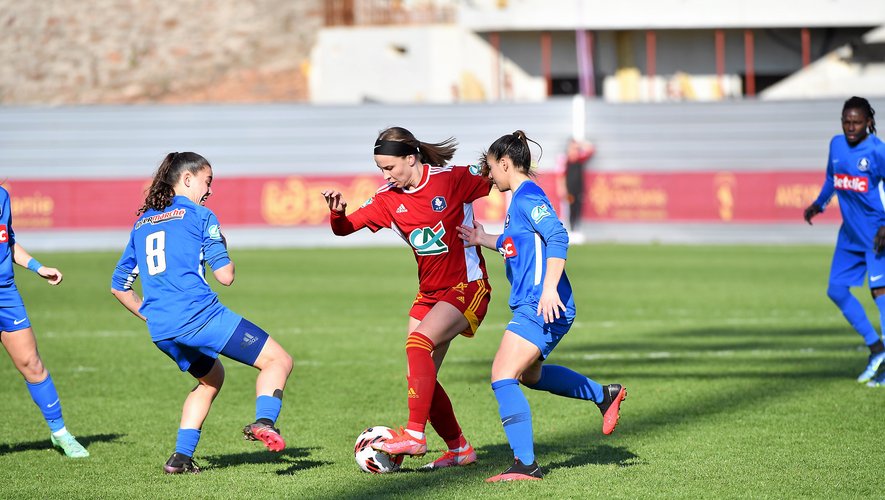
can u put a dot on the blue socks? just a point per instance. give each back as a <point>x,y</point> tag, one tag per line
<point>516,417</point>
<point>268,407</point>
<point>854,312</point>
<point>46,398</point>
<point>187,441</point>
<point>561,381</point>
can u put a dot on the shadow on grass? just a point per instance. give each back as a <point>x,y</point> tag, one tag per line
<point>294,460</point>
<point>44,444</point>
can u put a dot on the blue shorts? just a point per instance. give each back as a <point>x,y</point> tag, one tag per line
<point>13,319</point>
<point>850,266</point>
<point>244,344</point>
<point>527,324</point>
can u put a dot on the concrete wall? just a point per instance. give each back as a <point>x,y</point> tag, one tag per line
<point>418,64</point>
<point>495,15</point>
<point>105,51</point>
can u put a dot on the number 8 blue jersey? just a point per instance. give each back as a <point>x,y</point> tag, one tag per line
<point>169,249</point>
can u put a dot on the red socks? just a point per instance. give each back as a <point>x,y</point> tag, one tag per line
<point>422,380</point>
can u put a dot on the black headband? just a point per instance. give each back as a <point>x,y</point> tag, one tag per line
<point>394,148</point>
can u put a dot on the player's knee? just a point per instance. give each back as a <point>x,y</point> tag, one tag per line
<point>285,361</point>
<point>838,293</point>
<point>31,366</point>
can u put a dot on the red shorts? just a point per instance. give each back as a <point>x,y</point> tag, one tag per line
<point>472,299</point>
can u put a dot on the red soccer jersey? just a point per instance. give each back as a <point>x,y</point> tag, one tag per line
<point>427,218</point>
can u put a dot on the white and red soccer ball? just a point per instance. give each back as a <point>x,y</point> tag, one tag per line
<point>371,460</point>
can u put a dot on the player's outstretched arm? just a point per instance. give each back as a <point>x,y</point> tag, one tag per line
<point>477,236</point>
<point>21,257</point>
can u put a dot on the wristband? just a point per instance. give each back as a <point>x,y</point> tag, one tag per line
<point>33,265</point>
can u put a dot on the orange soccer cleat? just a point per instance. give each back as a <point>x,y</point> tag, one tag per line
<point>266,433</point>
<point>519,472</point>
<point>611,406</point>
<point>402,444</point>
<point>453,458</point>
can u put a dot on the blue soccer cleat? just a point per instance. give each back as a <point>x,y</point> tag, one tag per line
<point>872,367</point>
<point>69,445</point>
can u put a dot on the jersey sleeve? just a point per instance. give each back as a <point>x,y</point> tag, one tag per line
<point>126,271</point>
<point>828,188</point>
<point>372,215</point>
<point>10,233</point>
<point>472,182</point>
<point>538,211</point>
<point>879,165</point>
<point>214,251</point>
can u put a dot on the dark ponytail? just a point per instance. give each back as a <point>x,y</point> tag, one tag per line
<point>162,188</point>
<point>516,147</point>
<point>863,105</point>
<point>433,153</point>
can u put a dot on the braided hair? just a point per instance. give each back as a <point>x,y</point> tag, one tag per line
<point>162,188</point>
<point>863,105</point>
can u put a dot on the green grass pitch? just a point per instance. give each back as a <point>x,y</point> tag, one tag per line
<point>740,375</point>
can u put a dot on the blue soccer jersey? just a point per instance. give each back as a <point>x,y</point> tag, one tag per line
<point>9,295</point>
<point>168,249</point>
<point>855,175</point>
<point>532,233</point>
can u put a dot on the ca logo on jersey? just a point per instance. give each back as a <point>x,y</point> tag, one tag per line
<point>367,202</point>
<point>475,169</point>
<point>214,232</point>
<point>863,164</point>
<point>428,240</point>
<point>540,212</point>
<point>438,204</point>
<point>4,234</point>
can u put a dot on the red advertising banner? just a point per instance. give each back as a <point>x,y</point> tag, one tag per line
<point>296,200</point>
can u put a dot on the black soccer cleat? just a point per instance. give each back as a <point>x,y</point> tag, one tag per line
<point>610,407</point>
<point>180,464</point>
<point>519,472</point>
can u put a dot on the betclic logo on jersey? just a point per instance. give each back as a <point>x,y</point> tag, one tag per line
<point>4,234</point>
<point>851,183</point>
<point>508,248</point>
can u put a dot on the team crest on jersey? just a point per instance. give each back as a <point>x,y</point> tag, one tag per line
<point>863,164</point>
<point>428,240</point>
<point>438,204</point>
<point>475,170</point>
<point>4,234</point>
<point>214,232</point>
<point>176,214</point>
<point>367,202</point>
<point>540,212</point>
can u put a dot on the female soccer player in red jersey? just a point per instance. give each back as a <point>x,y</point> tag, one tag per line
<point>424,201</point>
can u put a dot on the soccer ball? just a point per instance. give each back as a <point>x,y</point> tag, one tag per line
<point>371,460</point>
